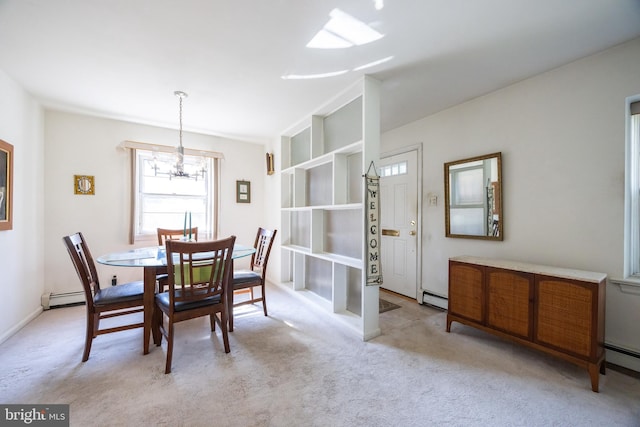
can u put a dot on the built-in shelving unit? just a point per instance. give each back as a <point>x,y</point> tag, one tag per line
<point>322,213</point>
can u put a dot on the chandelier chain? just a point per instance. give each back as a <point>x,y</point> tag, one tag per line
<point>194,171</point>
<point>180,120</point>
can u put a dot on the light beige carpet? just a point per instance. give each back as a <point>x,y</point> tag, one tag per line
<point>298,367</point>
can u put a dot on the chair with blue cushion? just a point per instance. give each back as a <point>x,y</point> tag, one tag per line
<point>198,277</point>
<point>102,303</point>
<point>256,275</point>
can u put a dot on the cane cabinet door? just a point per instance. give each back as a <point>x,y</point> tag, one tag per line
<point>510,301</point>
<point>565,314</point>
<point>466,293</point>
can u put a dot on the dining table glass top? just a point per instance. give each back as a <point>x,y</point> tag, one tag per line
<point>155,256</point>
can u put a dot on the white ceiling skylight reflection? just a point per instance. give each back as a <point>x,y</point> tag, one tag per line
<point>374,63</point>
<point>342,31</point>
<point>313,76</point>
<point>334,73</point>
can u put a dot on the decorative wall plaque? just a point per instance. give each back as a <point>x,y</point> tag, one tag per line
<point>84,184</point>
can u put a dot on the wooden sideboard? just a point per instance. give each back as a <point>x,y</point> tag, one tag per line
<point>555,310</point>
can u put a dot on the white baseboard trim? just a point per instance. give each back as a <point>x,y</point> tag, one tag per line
<point>20,325</point>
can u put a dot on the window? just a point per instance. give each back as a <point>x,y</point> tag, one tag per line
<point>467,195</point>
<point>632,188</point>
<point>467,187</point>
<point>162,200</point>
<point>394,169</point>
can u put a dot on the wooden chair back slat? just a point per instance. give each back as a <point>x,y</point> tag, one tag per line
<point>165,234</point>
<point>84,265</point>
<point>197,270</point>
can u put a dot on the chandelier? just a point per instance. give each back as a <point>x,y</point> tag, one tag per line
<point>181,168</point>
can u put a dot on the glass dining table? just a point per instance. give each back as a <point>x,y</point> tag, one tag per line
<point>153,260</point>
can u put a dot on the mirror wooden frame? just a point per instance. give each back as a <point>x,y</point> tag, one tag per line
<point>497,200</point>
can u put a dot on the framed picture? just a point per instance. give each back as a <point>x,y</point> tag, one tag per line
<point>84,184</point>
<point>6,186</point>
<point>243,192</point>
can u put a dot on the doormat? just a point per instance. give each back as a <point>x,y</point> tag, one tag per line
<point>385,305</point>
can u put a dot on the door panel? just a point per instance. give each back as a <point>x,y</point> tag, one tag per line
<point>399,258</point>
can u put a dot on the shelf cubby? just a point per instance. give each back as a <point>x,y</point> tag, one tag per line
<point>343,127</point>
<point>343,233</point>
<point>298,228</point>
<point>318,189</point>
<point>318,277</point>
<point>301,147</point>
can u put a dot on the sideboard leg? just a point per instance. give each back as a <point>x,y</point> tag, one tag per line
<point>448,324</point>
<point>594,373</point>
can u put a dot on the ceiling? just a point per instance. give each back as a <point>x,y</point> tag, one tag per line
<point>123,59</point>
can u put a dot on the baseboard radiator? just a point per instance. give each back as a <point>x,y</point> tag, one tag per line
<point>435,300</point>
<point>51,300</point>
<point>622,350</point>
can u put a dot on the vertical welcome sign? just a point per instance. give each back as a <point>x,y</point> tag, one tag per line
<point>372,229</point>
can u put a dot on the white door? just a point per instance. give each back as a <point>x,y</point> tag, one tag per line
<point>399,222</point>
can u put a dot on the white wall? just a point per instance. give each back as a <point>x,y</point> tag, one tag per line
<point>272,187</point>
<point>77,144</point>
<point>562,138</point>
<point>21,250</point>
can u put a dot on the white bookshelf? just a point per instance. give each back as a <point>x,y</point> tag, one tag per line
<point>322,213</point>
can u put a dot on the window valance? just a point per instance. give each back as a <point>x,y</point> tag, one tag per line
<point>167,149</point>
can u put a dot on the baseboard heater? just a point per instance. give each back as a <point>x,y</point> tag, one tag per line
<point>621,350</point>
<point>435,300</point>
<point>51,300</point>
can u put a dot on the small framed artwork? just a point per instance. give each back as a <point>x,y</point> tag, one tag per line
<point>6,186</point>
<point>243,191</point>
<point>84,184</point>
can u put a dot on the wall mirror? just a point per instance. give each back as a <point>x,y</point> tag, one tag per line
<point>473,197</point>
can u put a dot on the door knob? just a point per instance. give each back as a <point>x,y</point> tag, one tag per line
<point>412,233</point>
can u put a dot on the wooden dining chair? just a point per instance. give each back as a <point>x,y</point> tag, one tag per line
<point>165,234</point>
<point>256,275</point>
<point>102,303</point>
<point>199,274</point>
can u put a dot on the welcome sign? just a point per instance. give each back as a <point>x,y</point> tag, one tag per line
<point>372,229</point>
